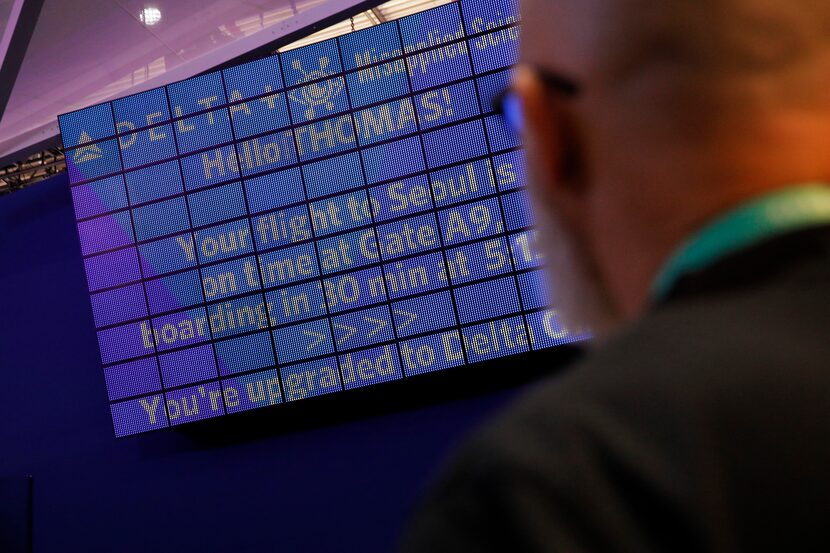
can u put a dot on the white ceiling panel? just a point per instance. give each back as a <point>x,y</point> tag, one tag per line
<point>88,51</point>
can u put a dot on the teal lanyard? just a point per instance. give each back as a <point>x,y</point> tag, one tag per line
<point>753,222</point>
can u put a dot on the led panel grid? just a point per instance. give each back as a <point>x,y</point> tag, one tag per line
<point>333,217</point>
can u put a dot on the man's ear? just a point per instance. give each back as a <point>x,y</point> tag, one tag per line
<point>550,134</point>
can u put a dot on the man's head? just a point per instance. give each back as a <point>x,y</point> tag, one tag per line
<point>685,109</point>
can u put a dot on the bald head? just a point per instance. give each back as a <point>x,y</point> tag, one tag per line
<point>687,57</point>
<point>688,108</point>
<point>614,41</point>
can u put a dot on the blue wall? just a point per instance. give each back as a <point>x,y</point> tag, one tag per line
<point>333,476</point>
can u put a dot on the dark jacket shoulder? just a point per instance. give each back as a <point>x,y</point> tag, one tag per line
<point>701,427</point>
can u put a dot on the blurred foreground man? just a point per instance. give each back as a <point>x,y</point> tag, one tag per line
<point>680,154</point>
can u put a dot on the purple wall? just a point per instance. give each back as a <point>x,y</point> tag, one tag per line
<point>339,474</point>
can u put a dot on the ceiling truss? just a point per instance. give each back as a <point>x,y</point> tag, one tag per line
<point>35,168</point>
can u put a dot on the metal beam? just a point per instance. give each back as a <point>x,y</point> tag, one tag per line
<point>379,15</point>
<point>14,43</point>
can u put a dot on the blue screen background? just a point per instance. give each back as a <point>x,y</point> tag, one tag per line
<point>350,210</point>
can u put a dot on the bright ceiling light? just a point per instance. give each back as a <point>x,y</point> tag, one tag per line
<point>150,16</point>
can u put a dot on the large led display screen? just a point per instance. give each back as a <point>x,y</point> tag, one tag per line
<point>336,216</point>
